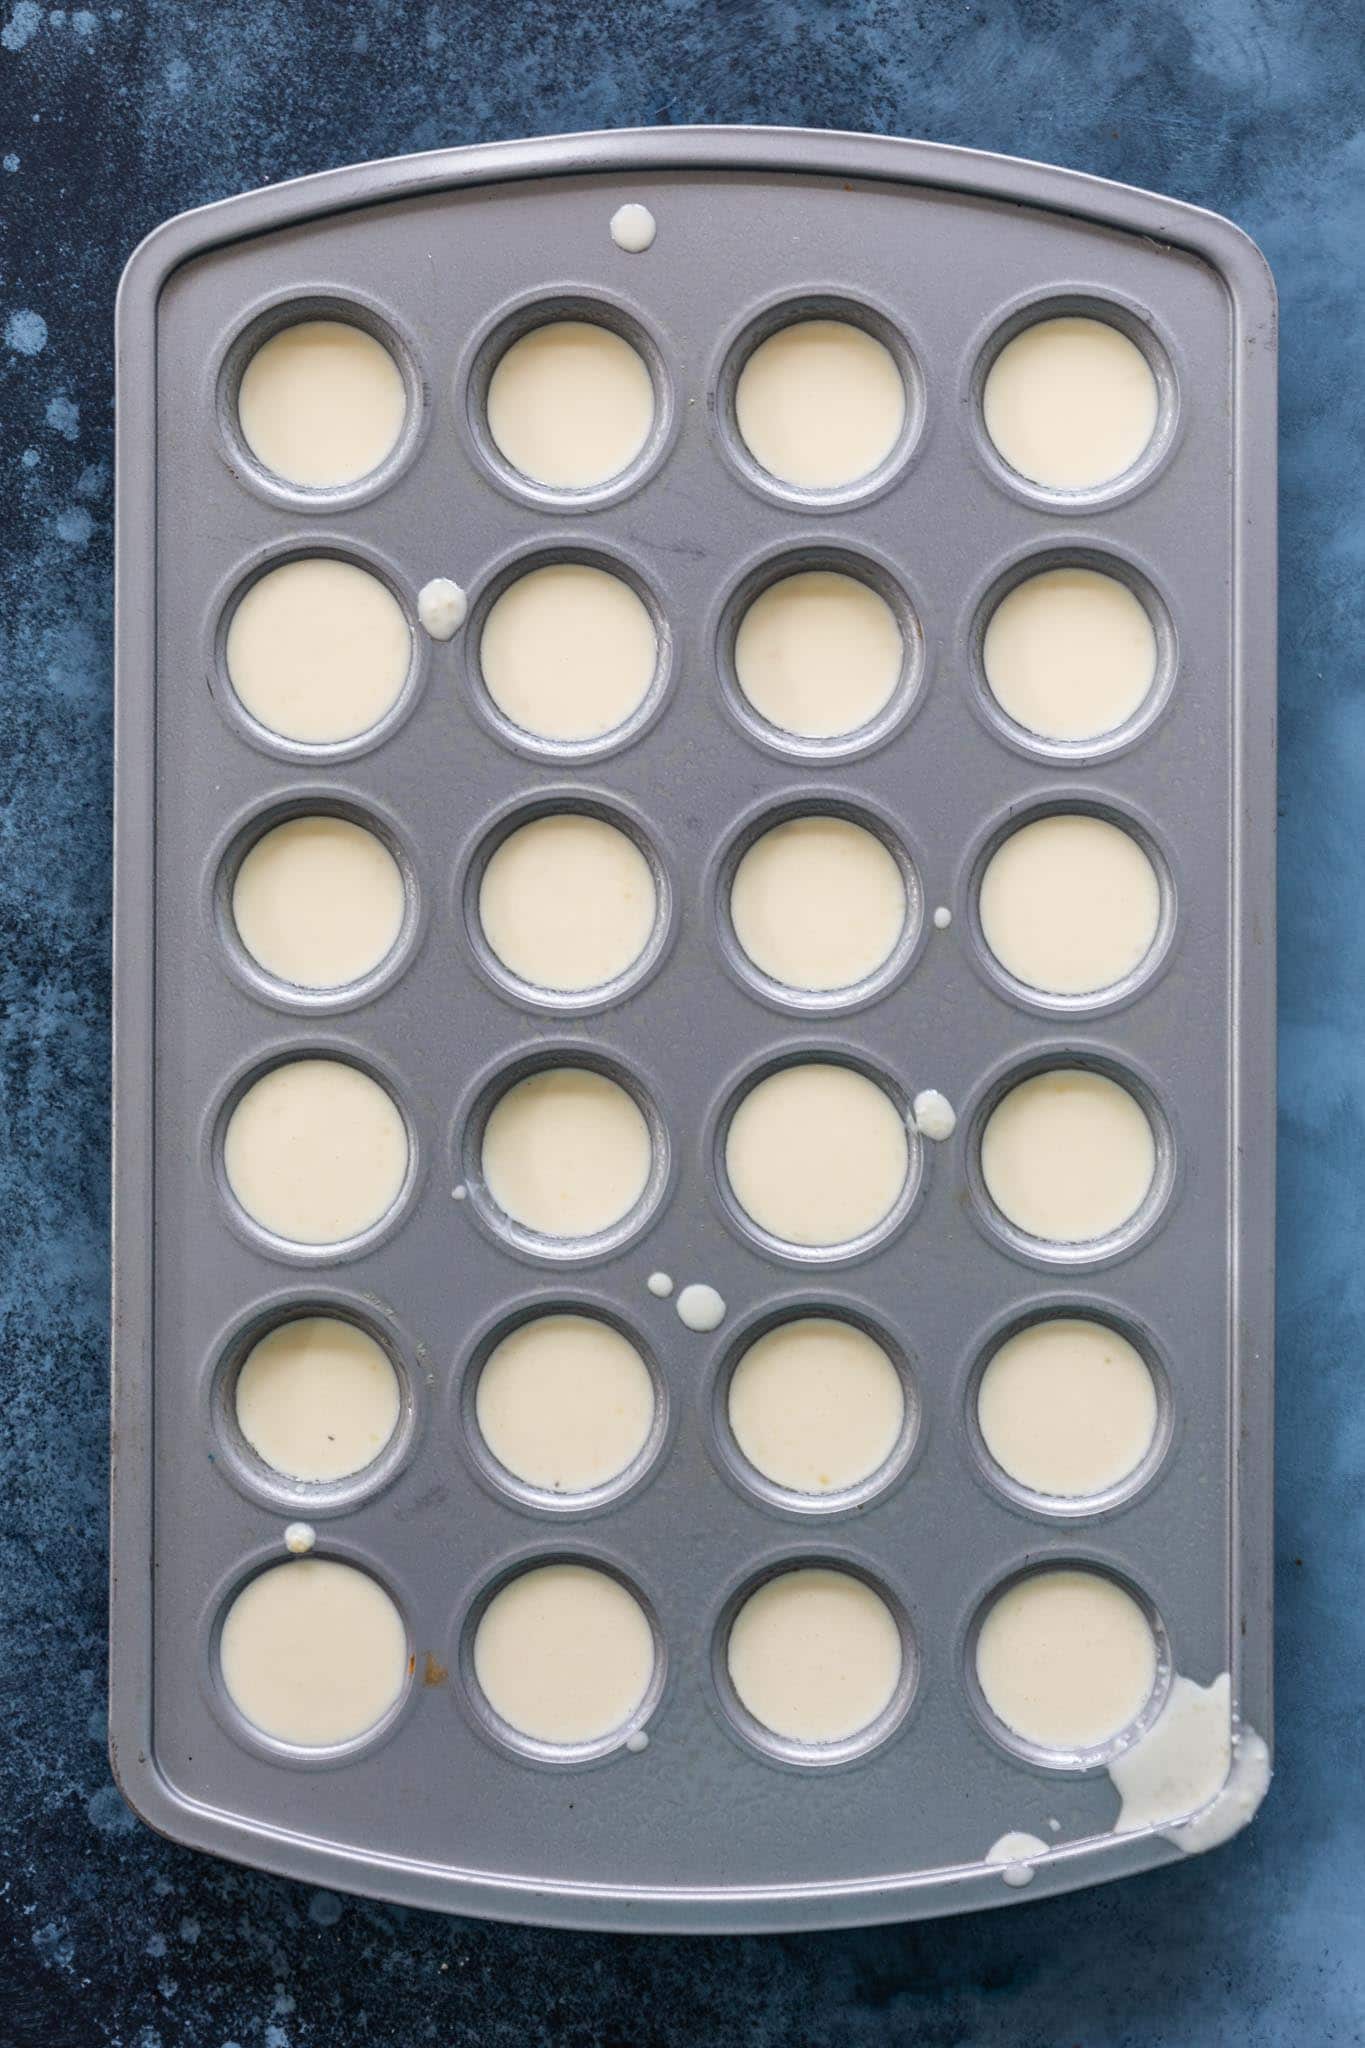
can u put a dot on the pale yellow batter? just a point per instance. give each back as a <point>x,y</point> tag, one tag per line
<point>818,903</point>
<point>568,652</point>
<point>317,1398</point>
<point>318,902</point>
<point>321,404</point>
<point>819,654</point>
<point>816,1405</point>
<point>318,651</point>
<point>316,1151</point>
<point>820,404</point>
<point>1066,1659</point>
<point>817,1154</point>
<point>1068,1155</point>
<point>313,1652</point>
<point>568,902</point>
<point>564,1654</point>
<point>566,1153</point>
<point>815,1655</point>
<point>1070,904</point>
<point>565,1403</point>
<point>1067,1407</point>
<point>570,405</point>
<point>1070,403</point>
<point>1070,654</point>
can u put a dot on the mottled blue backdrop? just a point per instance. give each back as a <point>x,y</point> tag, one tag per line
<point>112,118</point>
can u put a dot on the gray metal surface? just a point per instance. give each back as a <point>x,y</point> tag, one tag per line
<point>703,1829</point>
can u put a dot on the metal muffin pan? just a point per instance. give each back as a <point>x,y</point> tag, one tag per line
<point>713,1825</point>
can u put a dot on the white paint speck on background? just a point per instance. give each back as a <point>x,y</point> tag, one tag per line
<point>26,332</point>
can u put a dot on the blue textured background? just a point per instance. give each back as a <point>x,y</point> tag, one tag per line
<point>112,118</point>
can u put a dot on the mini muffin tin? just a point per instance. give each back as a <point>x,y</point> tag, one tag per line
<point>944,254</point>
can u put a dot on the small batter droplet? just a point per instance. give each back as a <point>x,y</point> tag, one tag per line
<point>636,1741</point>
<point>943,917</point>
<point>700,1307</point>
<point>1015,1854</point>
<point>660,1284</point>
<point>633,228</point>
<point>441,606</point>
<point>299,1538</point>
<point>934,1116</point>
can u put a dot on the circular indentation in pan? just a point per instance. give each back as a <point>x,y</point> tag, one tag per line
<point>297,806</point>
<point>834,1500</point>
<point>1119,1489</point>
<point>787,313</point>
<point>803,1753</point>
<point>294,310</point>
<point>512,325</point>
<point>638,709</point>
<point>239,1459</point>
<point>302,1251</point>
<point>873,1234</point>
<point>571,803</point>
<point>396,686</point>
<point>1110,995</point>
<point>536,1748</point>
<point>1068,1756</point>
<point>1135,325</point>
<point>1113,1243</point>
<point>816,805</point>
<point>246,1732</point>
<point>820,558</point>
<point>560,1500</point>
<point>472,1125</point>
<point>1066,555</point>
